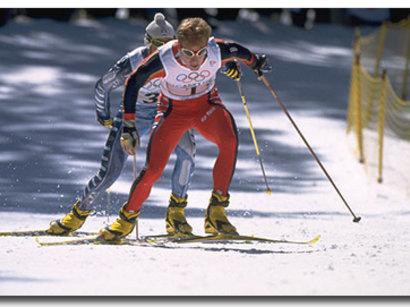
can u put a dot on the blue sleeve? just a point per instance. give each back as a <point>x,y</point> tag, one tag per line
<point>112,79</point>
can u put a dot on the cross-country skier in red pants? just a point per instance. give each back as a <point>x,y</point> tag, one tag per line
<point>188,100</point>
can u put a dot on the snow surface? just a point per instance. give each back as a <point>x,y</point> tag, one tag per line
<point>51,145</point>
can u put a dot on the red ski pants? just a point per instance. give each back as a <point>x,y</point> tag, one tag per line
<point>210,118</point>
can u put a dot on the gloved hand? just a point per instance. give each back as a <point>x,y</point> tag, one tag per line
<point>129,137</point>
<point>261,65</point>
<point>232,70</point>
<point>105,122</point>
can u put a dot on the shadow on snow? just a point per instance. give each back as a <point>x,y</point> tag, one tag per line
<point>51,144</point>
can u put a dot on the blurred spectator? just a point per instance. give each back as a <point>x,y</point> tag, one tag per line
<point>298,16</point>
<point>303,18</point>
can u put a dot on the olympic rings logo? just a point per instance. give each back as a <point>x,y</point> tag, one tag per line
<point>153,84</point>
<point>193,76</point>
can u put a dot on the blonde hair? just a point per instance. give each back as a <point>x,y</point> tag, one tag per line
<point>193,31</point>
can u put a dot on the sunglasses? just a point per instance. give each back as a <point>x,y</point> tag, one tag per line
<point>191,54</point>
<point>158,42</point>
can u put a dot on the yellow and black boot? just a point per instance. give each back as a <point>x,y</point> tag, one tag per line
<point>216,221</point>
<point>121,227</point>
<point>176,223</point>
<point>69,223</point>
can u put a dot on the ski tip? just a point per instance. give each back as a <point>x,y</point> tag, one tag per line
<point>37,240</point>
<point>314,240</point>
<point>42,243</point>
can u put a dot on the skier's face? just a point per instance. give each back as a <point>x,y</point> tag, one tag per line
<point>193,56</point>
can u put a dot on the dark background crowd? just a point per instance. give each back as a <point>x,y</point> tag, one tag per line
<point>302,17</point>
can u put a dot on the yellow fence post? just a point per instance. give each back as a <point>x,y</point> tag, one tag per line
<point>356,46</point>
<point>358,108</point>
<point>380,49</point>
<point>353,84</point>
<point>371,99</point>
<point>371,92</point>
<point>350,106</point>
<point>380,125</point>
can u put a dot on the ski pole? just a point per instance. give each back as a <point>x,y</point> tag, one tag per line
<point>134,172</point>
<point>255,142</point>
<point>265,81</point>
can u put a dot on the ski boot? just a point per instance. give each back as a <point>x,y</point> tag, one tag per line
<point>216,221</point>
<point>121,227</point>
<point>69,223</point>
<point>176,223</point>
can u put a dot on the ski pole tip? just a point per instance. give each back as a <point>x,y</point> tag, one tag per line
<point>314,240</point>
<point>357,219</point>
<point>269,191</point>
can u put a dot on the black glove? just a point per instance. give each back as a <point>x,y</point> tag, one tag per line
<point>232,71</point>
<point>261,65</point>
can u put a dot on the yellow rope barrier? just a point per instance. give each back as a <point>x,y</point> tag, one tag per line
<point>376,104</point>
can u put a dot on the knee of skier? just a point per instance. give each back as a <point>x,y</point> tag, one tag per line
<point>185,154</point>
<point>186,147</point>
<point>111,171</point>
<point>111,178</point>
<point>190,149</point>
<point>107,179</point>
<point>153,173</point>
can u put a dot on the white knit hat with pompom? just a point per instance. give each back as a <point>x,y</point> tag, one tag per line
<point>158,28</point>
